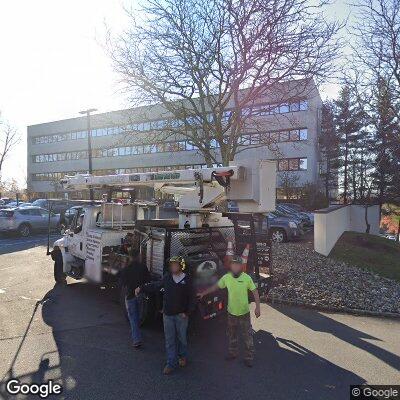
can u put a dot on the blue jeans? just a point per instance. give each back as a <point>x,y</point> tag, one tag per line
<point>132,307</point>
<point>175,328</point>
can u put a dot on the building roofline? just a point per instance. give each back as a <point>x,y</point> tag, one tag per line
<point>136,109</point>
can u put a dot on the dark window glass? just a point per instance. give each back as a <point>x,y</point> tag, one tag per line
<point>255,138</point>
<point>34,212</point>
<point>245,140</point>
<point>283,165</point>
<point>284,136</point>
<point>293,164</point>
<point>294,135</point>
<point>303,105</point>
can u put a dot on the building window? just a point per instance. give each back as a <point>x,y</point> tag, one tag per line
<point>303,134</point>
<point>284,136</point>
<point>284,108</point>
<point>292,164</point>
<point>303,164</point>
<point>268,109</point>
<point>285,194</point>
<point>257,110</point>
<point>303,105</point>
<point>294,135</point>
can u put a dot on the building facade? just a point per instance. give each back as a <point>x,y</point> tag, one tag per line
<point>122,143</point>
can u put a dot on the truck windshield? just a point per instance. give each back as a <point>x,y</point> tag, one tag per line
<point>78,219</point>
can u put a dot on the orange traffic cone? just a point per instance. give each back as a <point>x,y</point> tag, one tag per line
<point>245,257</point>
<point>228,255</point>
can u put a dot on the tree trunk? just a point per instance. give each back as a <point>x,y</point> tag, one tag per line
<point>327,178</point>
<point>345,182</point>
<point>368,225</point>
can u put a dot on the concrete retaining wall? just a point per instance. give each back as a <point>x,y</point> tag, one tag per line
<point>331,222</point>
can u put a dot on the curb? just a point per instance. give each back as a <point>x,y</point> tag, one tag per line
<point>353,311</point>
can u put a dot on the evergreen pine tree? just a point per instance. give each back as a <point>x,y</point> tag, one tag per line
<point>386,141</point>
<point>349,120</point>
<point>329,145</point>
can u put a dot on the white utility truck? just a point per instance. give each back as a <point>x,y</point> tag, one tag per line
<point>98,243</point>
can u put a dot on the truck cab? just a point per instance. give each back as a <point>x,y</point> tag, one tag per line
<point>94,231</point>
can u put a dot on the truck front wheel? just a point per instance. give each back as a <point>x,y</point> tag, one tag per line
<point>59,275</point>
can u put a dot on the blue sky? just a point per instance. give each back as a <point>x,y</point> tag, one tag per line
<point>53,64</point>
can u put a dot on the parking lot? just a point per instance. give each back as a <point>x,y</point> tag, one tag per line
<point>77,335</point>
<point>10,243</point>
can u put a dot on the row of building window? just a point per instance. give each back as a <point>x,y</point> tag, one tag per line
<point>270,109</point>
<point>259,110</point>
<point>285,164</point>
<point>294,135</point>
<point>182,145</point>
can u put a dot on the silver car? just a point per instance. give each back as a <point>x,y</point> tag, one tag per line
<point>26,220</point>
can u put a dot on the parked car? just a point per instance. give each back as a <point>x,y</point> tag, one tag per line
<point>282,229</point>
<point>25,204</point>
<point>233,206</point>
<point>169,205</point>
<point>294,218</point>
<point>289,212</point>
<point>14,204</point>
<point>58,206</point>
<point>26,220</point>
<point>6,200</point>
<point>299,208</point>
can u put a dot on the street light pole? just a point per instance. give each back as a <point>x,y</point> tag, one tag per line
<point>89,137</point>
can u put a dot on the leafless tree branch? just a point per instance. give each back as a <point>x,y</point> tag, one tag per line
<point>209,63</point>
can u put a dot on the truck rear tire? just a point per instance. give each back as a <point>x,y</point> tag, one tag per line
<point>59,275</point>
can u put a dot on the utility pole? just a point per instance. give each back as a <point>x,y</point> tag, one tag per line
<point>89,138</point>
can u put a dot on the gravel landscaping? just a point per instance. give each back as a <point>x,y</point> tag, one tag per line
<point>305,277</point>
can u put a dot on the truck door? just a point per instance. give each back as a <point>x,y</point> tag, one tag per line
<point>76,242</point>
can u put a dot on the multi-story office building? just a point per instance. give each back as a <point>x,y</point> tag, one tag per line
<point>121,142</point>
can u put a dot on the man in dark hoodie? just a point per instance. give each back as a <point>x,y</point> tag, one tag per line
<point>178,302</point>
<point>134,275</point>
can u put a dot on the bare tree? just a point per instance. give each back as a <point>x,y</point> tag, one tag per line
<point>377,47</point>
<point>377,63</point>
<point>9,138</point>
<point>207,63</point>
<point>289,184</point>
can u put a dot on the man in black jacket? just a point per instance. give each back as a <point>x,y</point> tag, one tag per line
<point>134,275</point>
<point>178,302</point>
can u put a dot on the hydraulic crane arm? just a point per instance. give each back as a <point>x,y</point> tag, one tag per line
<point>151,179</point>
<point>251,185</point>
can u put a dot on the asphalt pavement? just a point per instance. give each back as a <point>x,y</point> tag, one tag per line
<point>12,242</point>
<point>77,335</point>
